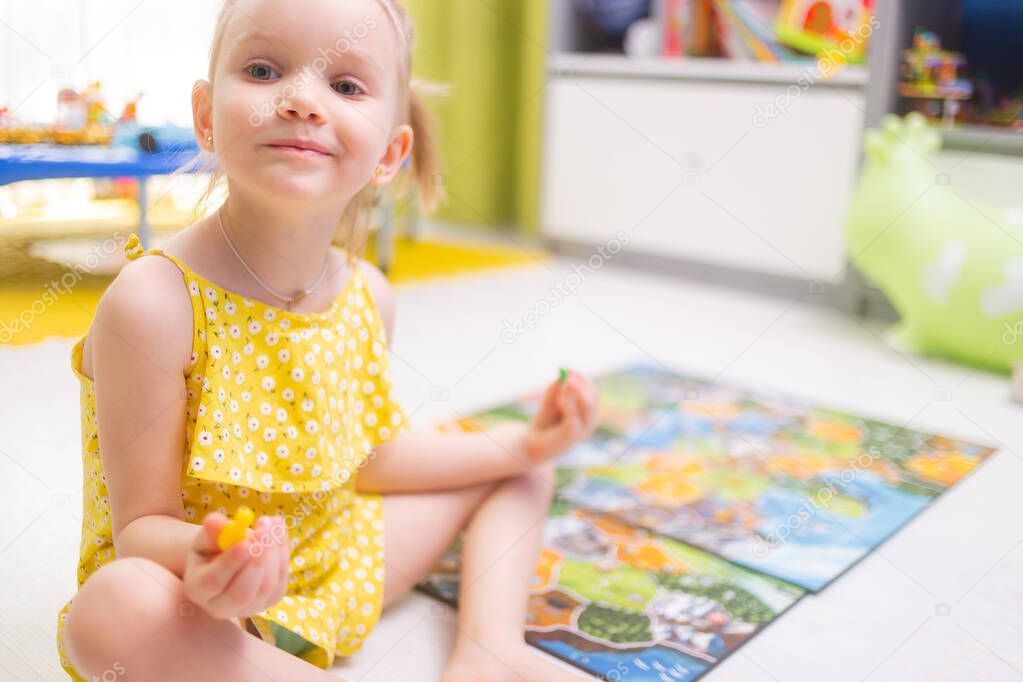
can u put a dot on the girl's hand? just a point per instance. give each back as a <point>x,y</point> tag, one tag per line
<point>244,580</point>
<point>567,415</point>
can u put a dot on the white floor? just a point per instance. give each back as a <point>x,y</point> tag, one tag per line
<point>943,600</point>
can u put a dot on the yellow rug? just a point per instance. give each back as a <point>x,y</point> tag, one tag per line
<point>35,305</point>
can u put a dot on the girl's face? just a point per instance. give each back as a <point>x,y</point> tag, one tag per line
<point>306,73</point>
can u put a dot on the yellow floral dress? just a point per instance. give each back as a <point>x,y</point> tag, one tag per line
<point>282,410</point>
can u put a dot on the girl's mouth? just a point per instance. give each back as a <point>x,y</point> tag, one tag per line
<point>297,151</point>
<point>300,146</point>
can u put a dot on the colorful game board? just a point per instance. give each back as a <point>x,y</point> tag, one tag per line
<point>796,492</point>
<point>698,513</point>
<point>624,604</point>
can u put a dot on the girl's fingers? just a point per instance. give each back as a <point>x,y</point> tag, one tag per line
<point>562,394</point>
<point>546,413</point>
<point>582,412</point>
<point>269,591</point>
<point>205,542</point>
<point>285,549</point>
<point>238,596</point>
<point>587,393</point>
<point>275,585</point>
<point>575,394</point>
<point>570,417</point>
<point>271,569</point>
<point>566,414</point>
<point>213,577</point>
<point>267,552</point>
<point>283,566</point>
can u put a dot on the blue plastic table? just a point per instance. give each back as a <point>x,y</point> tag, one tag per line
<point>45,161</point>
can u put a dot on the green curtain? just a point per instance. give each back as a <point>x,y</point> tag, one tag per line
<point>492,55</point>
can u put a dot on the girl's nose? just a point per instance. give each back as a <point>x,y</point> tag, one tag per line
<point>300,104</point>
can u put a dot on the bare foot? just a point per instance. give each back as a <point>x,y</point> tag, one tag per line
<point>473,662</point>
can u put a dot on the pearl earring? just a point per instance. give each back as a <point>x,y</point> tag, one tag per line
<point>209,138</point>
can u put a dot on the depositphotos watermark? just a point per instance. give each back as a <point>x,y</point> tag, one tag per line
<point>559,290</point>
<point>814,503</point>
<point>825,66</point>
<point>57,288</point>
<point>110,674</point>
<point>1012,333</point>
<point>352,36</point>
<point>309,504</point>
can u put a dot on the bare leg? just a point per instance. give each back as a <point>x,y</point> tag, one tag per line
<point>499,558</point>
<point>409,553</point>
<point>131,617</point>
<point>505,521</point>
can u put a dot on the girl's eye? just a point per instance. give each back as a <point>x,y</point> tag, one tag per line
<point>347,88</point>
<point>260,72</point>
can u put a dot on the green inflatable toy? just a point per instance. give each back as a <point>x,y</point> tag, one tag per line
<point>950,265</point>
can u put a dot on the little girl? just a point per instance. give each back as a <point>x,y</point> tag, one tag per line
<point>245,364</point>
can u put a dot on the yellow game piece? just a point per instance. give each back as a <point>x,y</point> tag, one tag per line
<point>235,532</point>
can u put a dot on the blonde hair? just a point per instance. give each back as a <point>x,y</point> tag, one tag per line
<point>353,229</point>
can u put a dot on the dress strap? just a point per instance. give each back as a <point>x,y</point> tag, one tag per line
<point>133,250</point>
<point>133,247</point>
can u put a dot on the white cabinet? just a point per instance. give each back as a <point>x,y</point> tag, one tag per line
<point>691,160</point>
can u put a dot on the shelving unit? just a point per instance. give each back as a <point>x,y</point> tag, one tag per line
<point>706,69</point>
<point>947,20</point>
<point>760,207</point>
<point>686,156</point>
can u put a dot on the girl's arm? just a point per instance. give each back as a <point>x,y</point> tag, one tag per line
<point>162,538</point>
<point>140,346</point>
<point>430,460</point>
<point>418,461</point>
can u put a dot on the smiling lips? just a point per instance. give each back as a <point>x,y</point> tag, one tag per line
<point>300,146</point>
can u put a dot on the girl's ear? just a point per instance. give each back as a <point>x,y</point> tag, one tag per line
<point>394,156</point>
<point>202,114</point>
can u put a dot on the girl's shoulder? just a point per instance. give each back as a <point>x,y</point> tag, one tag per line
<point>379,288</point>
<point>147,308</point>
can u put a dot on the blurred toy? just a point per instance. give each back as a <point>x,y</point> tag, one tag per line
<point>1008,113</point>
<point>687,28</point>
<point>839,27</point>
<point>237,530</point>
<point>81,119</point>
<point>130,112</point>
<point>744,32</point>
<point>152,139</point>
<point>94,108</point>
<point>128,133</point>
<point>949,264</point>
<point>643,39</point>
<point>931,76</point>
<point>610,19</point>
<point>71,109</point>
<point>13,131</point>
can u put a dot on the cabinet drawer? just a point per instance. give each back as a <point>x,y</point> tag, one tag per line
<point>700,170</point>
